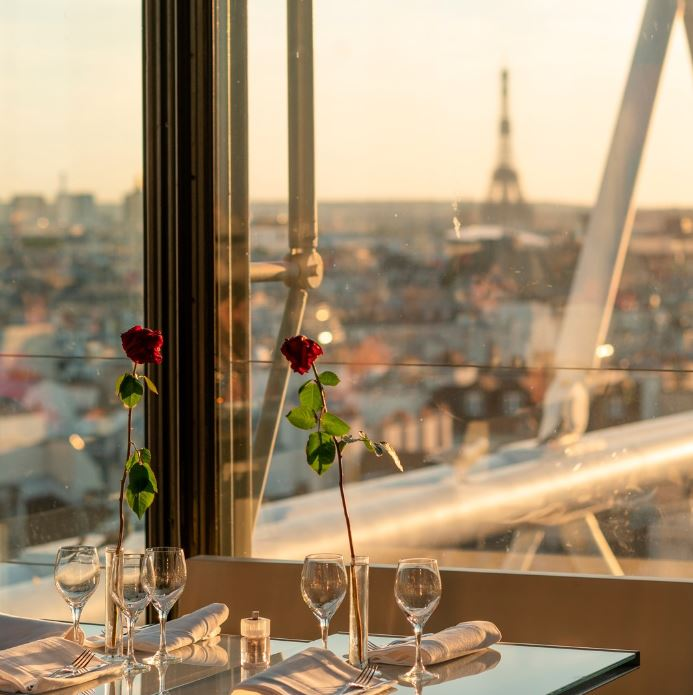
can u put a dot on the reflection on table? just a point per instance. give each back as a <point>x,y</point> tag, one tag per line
<point>213,668</point>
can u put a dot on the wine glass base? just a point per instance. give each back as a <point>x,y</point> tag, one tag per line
<point>165,658</point>
<point>113,658</point>
<point>135,667</point>
<point>418,677</point>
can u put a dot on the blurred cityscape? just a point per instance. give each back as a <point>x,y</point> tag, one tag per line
<point>449,324</point>
<point>442,320</point>
<point>71,273</point>
<point>441,325</point>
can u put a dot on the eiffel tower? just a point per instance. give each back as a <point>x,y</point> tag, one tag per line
<point>505,204</point>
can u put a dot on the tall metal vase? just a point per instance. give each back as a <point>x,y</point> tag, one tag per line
<point>113,627</point>
<point>358,607</point>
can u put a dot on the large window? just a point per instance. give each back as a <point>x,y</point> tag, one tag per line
<point>484,301</point>
<point>71,281</point>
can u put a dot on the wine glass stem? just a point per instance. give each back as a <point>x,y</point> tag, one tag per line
<point>162,632</point>
<point>131,638</point>
<point>324,628</point>
<point>418,630</point>
<point>76,613</point>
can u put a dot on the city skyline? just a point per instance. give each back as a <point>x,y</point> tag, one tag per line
<point>413,102</point>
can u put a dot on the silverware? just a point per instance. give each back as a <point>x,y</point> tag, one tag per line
<point>78,664</point>
<point>86,671</point>
<point>359,683</point>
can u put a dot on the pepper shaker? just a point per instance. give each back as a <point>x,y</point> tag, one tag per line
<point>255,640</point>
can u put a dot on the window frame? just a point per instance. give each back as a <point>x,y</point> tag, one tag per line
<point>179,251</point>
<point>183,217</point>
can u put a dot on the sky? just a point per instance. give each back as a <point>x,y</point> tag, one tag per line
<point>406,98</point>
<point>70,96</point>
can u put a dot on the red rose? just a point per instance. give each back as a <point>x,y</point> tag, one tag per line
<point>301,352</point>
<point>143,345</point>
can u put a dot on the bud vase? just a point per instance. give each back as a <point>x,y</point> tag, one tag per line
<point>113,628</point>
<point>358,608</point>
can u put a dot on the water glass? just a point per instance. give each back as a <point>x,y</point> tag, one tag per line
<point>76,575</point>
<point>323,587</point>
<point>164,581</point>
<point>417,592</point>
<point>132,600</point>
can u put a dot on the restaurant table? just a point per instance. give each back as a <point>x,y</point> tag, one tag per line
<point>520,669</point>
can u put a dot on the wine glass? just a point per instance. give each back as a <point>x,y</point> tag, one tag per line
<point>76,575</point>
<point>417,592</point>
<point>133,601</point>
<point>323,587</point>
<point>164,581</point>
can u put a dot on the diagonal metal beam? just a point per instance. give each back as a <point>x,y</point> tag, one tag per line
<point>275,393</point>
<point>598,273</point>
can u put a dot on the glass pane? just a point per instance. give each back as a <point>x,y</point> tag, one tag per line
<point>71,280</point>
<point>490,304</point>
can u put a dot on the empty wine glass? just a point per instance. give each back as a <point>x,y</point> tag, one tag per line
<point>164,581</point>
<point>417,592</point>
<point>76,575</point>
<point>323,587</point>
<point>133,601</point>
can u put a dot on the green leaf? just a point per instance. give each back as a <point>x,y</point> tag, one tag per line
<point>329,379</point>
<point>309,396</point>
<point>140,491</point>
<point>393,455</point>
<point>302,417</point>
<point>135,458</point>
<point>333,425</point>
<point>151,476</point>
<point>145,455</point>
<point>119,381</point>
<point>320,452</point>
<point>130,391</point>
<point>367,442</point>
<point>150,384</point>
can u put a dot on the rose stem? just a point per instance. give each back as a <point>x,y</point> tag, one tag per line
<point>121,526</point>
<point>352,569</point>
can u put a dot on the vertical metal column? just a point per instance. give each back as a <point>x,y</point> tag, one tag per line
<point>304,264</point>
<point>238,469</point>
<point>303,231</point>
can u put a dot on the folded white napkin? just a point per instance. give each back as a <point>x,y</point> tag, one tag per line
<point>198,625</point>
<point>314,671</point>
<point>194,627</point>
<point>15,630</point>
<point>450,643</point>
<point>25,668</point>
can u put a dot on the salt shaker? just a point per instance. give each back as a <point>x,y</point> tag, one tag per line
<point>255,640</point>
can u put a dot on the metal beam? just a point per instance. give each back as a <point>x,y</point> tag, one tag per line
<point>237,466</point>
<point>598,274</point>
<point>304,265</point>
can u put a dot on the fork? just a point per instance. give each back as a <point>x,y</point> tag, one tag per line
<point>78,664</point>
<point>360,682</point>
